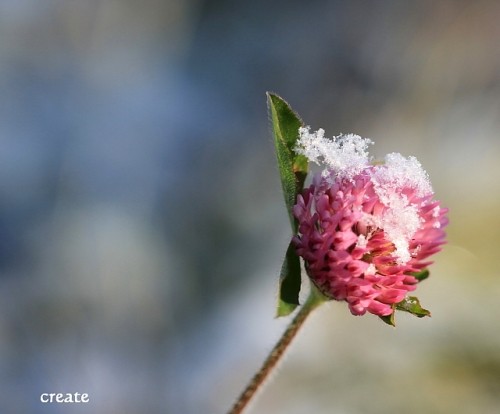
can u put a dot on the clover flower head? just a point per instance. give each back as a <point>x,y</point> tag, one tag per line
<point>365,229</point>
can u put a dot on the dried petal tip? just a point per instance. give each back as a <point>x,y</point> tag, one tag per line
<point>364,229</point>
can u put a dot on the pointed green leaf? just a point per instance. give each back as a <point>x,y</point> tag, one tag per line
<point>422,275</point>
<point>293,172</point>
<point>292,167</point>
<point>411,304</point>
<point>289,287</point>
<point>389,319</point>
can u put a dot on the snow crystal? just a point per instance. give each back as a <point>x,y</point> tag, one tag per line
<point>401,220</point>
<point>416,250</point>
<point>435,211</point>
<point>344,155</point>
<point>362,241</point>
<point>399,172</point>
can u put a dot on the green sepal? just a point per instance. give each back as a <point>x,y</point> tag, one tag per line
<point>422,275</point>
<point>411,304</point>
<point>292,167</point>
<point>289,284</point>
<point>389,319</point>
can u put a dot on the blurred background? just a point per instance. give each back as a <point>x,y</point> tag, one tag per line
<point>142,225</point>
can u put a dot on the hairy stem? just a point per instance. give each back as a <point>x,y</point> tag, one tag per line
<point>314,299</point>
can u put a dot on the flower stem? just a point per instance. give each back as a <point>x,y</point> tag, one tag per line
<point>315,299</point>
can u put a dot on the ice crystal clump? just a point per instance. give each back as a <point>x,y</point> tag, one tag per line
<point>344,155</point>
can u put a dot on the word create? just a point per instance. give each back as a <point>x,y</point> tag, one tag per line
<point>64,397</point>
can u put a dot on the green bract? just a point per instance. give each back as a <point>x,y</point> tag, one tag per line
<point>293,172</point>
<point>411,304</point>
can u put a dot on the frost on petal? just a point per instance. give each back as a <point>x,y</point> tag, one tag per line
<point>344,155</point>
<point>398,173</point>
<point>361,241</point>
<point>400,221</point>
<point>394,182</point>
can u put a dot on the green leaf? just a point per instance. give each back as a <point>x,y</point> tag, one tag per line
<point>422,275</point>
<point>293,172</point>
<point>389,319</point>
<point>411,304</point>
<point>290,279</point>
<point>292,167</point>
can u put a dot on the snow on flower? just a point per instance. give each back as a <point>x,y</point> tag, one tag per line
<point>364,228</point>
<point>344,155</point>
